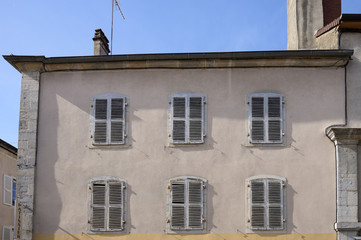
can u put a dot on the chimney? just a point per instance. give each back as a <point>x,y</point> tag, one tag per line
<point>305,17</point>
<point>101,43</point>
<point>331,10</point>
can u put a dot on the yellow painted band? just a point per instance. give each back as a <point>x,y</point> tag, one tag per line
<point>209,236</point>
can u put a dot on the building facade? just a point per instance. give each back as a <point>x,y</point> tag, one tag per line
<point>195,145</point>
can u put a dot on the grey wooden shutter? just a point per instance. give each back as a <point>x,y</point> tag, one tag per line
<point>177,205</point>
<point>98,206</point>
<point>116,198</point>
<point>179,119</point>
<point>100,128</point>
<point>257,116</point>
<point>7,233</point>
<point>117,120</point>
<point>7,190</point>
<point>275,216</point>
<point>257,204</point>
<point>274,119</point>
<point>195,119</point>
<point>195,204</point>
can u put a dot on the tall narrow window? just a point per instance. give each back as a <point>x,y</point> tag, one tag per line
<point>187,203</point>
<point>266,203</point>
<point>107,204</point>
<point>187,118</point>
<point>9,190</point>
<point>266,117</point>
<point>108,125</point>
<point>7,233</point>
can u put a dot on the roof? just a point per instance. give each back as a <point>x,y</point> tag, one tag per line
<point>8,147</point>
<point>345,22</point>
<point>298,58</point>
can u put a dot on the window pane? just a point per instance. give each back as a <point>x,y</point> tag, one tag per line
<point>257,107</point>
<point>274,107</point>
<point>195,216</point>
<point>98,220</point>
<point>257,189</point>
<point>115,193</point>
<point>116,132</point>
<point>275,217</point>
<point>195,192</point>
<point>274,130</point>
<point>195,130</point>
<point>99,194</point>
<point>115,218</point>
<point>179,130</point>
<point>274,192</point>
<point>257,216</point>
<point>195,104</point>
<point>258,130</point>
<point>178,192</point>
<point>100,132</point>
<point>117,108</point>
<point>178,216</point>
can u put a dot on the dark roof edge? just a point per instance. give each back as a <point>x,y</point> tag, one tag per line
<point>344,17</point>
<point>184,56</point>
<point>8,147</point>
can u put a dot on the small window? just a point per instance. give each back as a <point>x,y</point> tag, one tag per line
<point>108,126</point>
<point>7,233</point>
<point>9,190</point>
<point>266,198</point>
<point>107,204</point>
<point>187,204</point>
<point>266,117</point>
<point>187,118</point>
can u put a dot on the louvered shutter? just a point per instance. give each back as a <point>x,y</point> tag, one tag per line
<point>7,190</point>
<point>7,233</point>
<point>195,204</point>
<point>257,120</point>
<point>98,207</point>
<point>274,119</point>
<point>178,205</point>
<point>117,120</point>
<point>275,216</point>
<point>116,198</point>
<point>257,204</point>
<point>179,119</point>
<point>195,120</point>
<point>101,114</point>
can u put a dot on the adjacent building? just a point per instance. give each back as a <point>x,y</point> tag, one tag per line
<point>226,145</point>
<point>8,161</point>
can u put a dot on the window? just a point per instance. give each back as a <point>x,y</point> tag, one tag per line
<point>187,203</point>
<point>187,118</point>
<point>266,198</point>
<point>107,204</point>
<point>7,233</point>
<point>266,117</point>
<point>9,190</point>
<point>108,119</point>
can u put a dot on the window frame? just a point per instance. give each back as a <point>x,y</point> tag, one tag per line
<point>108,120</point>
<point>266,118</point>
<point>265,179</point>
<point>187,95</point>
<point>3,232</point>
<point>9,191</point>
<point>107,180</point>
<point>187,204</point>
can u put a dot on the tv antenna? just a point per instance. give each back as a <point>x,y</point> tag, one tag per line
<point>114,2</point>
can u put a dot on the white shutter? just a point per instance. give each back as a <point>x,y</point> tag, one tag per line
<point>117,120</point>
<point>257,204</point>
<point>7,190</point>
<point>100,116</point>
<point>7,233</point>
<point>98,207</point>
<point>178,205</point>
<point>195,204</point>
<point>116,198</point>
<point>257,119</point>
<point>179,119</point>
<point>196,111</point>
<point>275,203</point>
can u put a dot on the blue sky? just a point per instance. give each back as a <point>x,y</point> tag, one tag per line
<point>66,28</point>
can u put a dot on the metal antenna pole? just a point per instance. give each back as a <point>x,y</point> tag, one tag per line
<point>111,35</point>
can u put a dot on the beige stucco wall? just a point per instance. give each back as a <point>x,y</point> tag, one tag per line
<point>314,101</point>
<point>352,40</point>
<point>7,167</point>
<point>329,40</point>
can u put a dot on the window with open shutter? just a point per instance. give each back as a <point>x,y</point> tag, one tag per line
<point>107,204</point>
<point>187,204</point>
<point>187,118</point>
<point>108,125</point>
<point>266,117</point>
<point>8,190</point>
<point>266,203</point>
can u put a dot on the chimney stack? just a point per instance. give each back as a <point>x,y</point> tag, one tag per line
<point>101,43</point>
<point>331,10</point>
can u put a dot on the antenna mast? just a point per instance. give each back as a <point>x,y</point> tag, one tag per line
<point>121,12</point>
